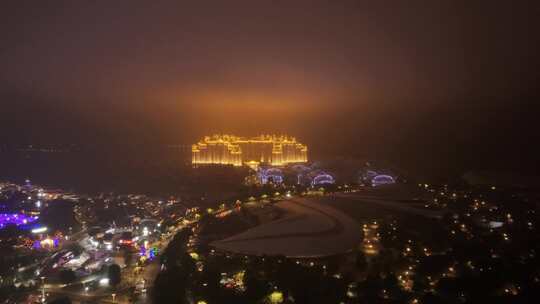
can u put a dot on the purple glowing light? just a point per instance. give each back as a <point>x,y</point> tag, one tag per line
<point>15,219</point>
<point>273,175</point>
<point>382,179</point>
<point>323,179</point>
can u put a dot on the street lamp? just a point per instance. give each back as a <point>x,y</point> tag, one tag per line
<point>42,289</point>
<point>113,297</point>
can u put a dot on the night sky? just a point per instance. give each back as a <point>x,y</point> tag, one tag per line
<point>418,82</point>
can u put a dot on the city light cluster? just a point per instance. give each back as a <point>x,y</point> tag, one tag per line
<point>15,219</point>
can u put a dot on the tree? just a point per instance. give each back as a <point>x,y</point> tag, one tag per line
<point>176,247</point>
<point>361,263</point>
<point>256,287</point>
<point>170,287</point>
<point>187,264</point>
<point>208,286</point>
<point>390,284</point>
<point>309,286</point>
<point>9,235</point>
<point>369,289</point>
<point>59,216</point>
<point>115,275</point>
<point>128,256</point>
<point>331,290</point>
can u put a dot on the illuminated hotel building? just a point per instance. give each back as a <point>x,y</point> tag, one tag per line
<point>237,151</point>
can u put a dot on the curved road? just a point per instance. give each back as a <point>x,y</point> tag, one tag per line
<point>310,229</point>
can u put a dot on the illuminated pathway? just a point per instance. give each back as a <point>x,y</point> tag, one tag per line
<point>309,229</point>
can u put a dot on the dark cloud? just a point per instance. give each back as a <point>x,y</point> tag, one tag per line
<point>174,70</point>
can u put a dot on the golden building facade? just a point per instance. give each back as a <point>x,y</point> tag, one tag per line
<point>237,151</point>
